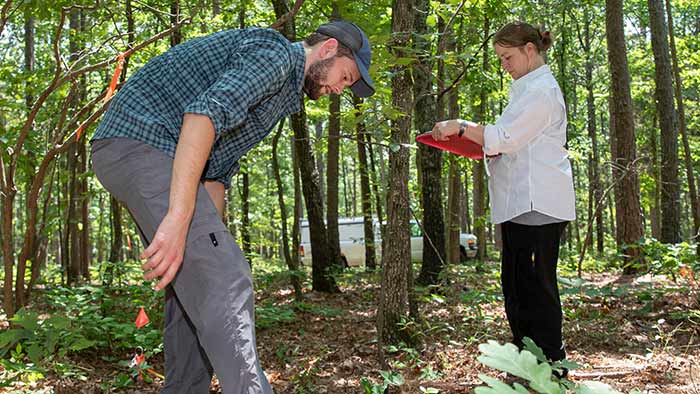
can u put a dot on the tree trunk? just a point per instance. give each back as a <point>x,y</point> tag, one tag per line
<point>453,213</point>
<point>628,211</point>
<point>670,188</point>
<point>692,190</point>
<point>292,264</point>
<point>74,192</point>
<point>332,172</point>
<point>365,192</point>
<point>245,208</point>
<point>298,208</point>
<point>375,184</point>
<point>394,299</point>
<point>117,243</point>
<point>429,159</point>
<point>479,167</point>
<point>321,280</point>
<point>176,36</point>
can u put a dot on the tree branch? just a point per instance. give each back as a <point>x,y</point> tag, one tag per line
<point>4,15</point>
<point>467,67</point>
<point>280,22</point>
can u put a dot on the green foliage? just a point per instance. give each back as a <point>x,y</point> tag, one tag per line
<point>667,259</point>
<point>534,369</point>
<point>389,379</point>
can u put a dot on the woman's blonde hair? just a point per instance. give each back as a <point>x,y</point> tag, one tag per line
<point>518,34</point>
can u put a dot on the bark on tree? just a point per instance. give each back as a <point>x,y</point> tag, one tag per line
<point>665,109</point>
<point>628,211</point>
<point>333,156</point>
<point>292,264</point>
<point>687,155</point>
<point>321,275</point>
<point>396,259</point>
<point>429,159</point>
<point>176,36</point>
<point>479,169</point>
<point>365,191</point>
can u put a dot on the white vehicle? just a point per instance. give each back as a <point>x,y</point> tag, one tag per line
<point>352,242</point>
<point>467,244</point>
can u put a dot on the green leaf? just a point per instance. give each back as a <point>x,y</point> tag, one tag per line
<point>81,343</point>
<point>498,387</point>
<point>431,20</point>
<point>58,322</point>
<point>591,387</point>
<point>393,378</point>
<point>35,353</point>
<point>531,347</point>
<point>521,364</point>
<point>28,320</point>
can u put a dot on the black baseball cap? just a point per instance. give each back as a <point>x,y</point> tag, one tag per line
<point>348,34</point>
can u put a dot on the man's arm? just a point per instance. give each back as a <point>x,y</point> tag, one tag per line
<point>217,192</point>
<point>164,254</point>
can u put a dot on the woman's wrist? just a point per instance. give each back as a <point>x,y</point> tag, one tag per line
<point>463,126</point>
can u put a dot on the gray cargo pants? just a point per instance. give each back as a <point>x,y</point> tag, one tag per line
<point>209,311</point>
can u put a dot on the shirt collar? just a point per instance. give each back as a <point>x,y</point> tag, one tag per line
<point>520,84</point>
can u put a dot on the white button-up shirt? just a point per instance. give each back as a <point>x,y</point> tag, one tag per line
<point>533,172</point>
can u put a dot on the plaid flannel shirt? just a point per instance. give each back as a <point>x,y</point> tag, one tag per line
<point>244,80</point>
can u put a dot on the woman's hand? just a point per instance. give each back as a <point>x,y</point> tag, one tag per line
<point>444,129</point>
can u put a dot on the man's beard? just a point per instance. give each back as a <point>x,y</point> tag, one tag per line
<point>312,80</point>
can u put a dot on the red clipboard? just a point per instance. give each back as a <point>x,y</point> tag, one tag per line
<point>454,144</point>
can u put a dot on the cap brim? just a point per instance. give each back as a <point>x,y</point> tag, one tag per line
<point>364,87</point>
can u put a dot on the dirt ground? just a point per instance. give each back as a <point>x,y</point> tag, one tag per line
<point>627,333</point>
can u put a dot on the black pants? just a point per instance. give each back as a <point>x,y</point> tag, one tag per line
<point>529,280</point>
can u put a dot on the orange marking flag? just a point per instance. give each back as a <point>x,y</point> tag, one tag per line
<point>141,319</point>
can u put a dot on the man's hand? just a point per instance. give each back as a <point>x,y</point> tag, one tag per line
<point>444,129</point>
<point>166,250</point>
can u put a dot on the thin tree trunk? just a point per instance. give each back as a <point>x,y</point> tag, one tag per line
<point>670,187</point>
<point>628,211</point>
<point>692,190</point>
<point>454,197</point>
<point>479,167</point>
<point>429,159</point>
<point>74,192</point>
<point>245,208</point>
<point>321,276</point>
<point>332,172</point>
<point>292,264</point>
<point>365,192</point>
<point>394,298</point>
<point>176,36</point>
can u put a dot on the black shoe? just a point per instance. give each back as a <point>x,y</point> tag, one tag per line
<point>561,375</point>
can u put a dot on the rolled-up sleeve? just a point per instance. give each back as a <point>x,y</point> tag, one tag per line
<point>258,69</point>
<point>520,123</point>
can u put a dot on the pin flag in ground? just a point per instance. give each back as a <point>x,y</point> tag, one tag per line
<point>141,319</point>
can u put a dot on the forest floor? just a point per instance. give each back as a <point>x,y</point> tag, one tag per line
<point>628,332</point>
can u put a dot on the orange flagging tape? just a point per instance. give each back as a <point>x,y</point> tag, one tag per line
<point>115,77</point>
<point>141,319</point>
<point>79,132</point>
<point>110,90</point>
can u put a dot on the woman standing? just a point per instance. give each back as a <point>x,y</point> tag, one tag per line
<point>530,185</point>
